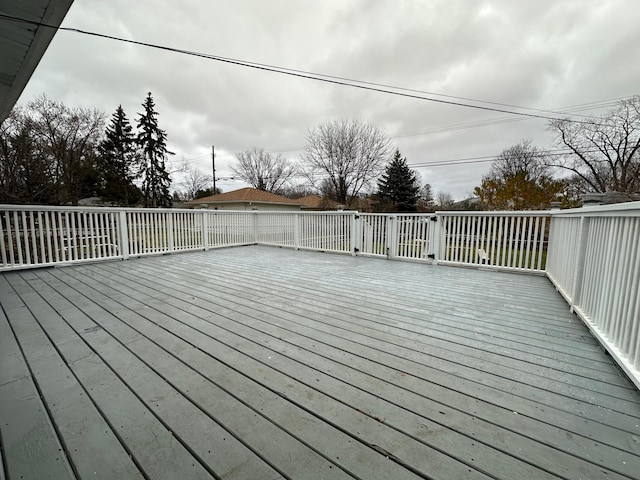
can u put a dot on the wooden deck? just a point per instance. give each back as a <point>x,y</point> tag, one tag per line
<point>265,363</point>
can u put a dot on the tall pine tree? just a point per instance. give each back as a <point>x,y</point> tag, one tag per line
<point>118,161</point>
<point>398,188</point>
<point>152,142</point>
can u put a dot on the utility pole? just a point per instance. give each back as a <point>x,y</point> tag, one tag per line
<point>213,159</point>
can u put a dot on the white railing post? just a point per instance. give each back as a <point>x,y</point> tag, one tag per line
<point>392,237</point>
<point>205,229</point>
<point>296,231</point>
<point>170,239</point>
<point>442,239</point>
<point>255,227</point>
<point>580,263</point>
<point>434,237</point>
<point>355,234</point>
<point>123,239</point>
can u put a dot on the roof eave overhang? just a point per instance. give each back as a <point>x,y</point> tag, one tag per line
<point>41,36</point>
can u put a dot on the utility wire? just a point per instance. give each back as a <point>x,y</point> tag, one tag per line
<point>481,123</point>
<point>490,158</point>
<point>296,73</point>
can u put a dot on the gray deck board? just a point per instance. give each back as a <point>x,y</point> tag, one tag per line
<point>549,435</point>
<point>277,314</point>
<point>400,332</point>
<point>331,439</point>
<point>177,418</point>
<point>423,308</point>
<point>88,440</point>
<point>258,362</point>
<point>441,311</point>
<point>30,445</point>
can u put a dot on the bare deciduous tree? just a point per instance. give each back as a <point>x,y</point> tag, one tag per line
<point>298,190</point>
<point>605,151</point>
<point>346,154</point>
<point>194,181</point>
<point>520,179</point>
<point>48,153</point>
<point>26,174</point>
<point>444,200</point>
<point>70,137</point>
<point>520,159</point>
<point>263,170</point>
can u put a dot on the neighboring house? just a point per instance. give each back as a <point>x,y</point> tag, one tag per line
<point>316,202</point>
<point>246,199</point>
<point>608,198</point>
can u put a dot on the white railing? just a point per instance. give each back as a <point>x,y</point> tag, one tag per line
<point>400,236</point>
<point>594,261</point>
<point>40,236</point>
<point>591,254</point>
<point>275,228</point>
<point>502,240</point>
<point>325,231</point>
<point>43,236</point>
<point>322,231</point>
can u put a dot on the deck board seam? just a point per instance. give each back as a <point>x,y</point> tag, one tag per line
<point>333,288</point>
<point>283,275</point>
<point>515,293</point>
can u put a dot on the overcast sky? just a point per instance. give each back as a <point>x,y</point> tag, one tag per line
<point>540,54</point>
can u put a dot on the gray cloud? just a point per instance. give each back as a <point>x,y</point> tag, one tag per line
<point>540,54</point>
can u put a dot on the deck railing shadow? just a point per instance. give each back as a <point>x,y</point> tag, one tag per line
<point>590,254</point>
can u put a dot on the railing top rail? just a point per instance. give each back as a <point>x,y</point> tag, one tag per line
<point>617,209</point>
<point>82,208</point>
<point>60,208</point>
<point>621,209</point>
<point>495,213</point>
<point>302,212</point>
<point>396,214</point>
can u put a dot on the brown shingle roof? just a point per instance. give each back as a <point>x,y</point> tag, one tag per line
<point>246,195</point>
<point>316,201</point>
<point>310,200</point>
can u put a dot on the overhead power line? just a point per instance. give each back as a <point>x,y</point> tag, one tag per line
<point>490,158</point>
<point>481,123</point>
<point>370,86</point>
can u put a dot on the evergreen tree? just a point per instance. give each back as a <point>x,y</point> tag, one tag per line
<point>152,142</point>
<point>118,161</point>
<point>426,200</point>
<point>398,188</point>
